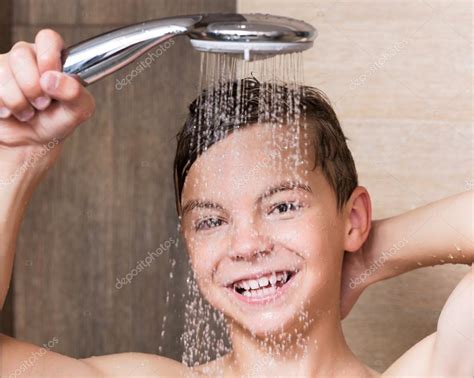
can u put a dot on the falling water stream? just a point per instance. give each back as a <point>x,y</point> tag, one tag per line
<point>205,334</point>
<point>219,71</point>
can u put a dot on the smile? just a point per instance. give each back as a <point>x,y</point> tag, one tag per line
<point>264,288</point>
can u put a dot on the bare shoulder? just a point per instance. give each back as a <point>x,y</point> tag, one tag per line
<point>18,358</point>
<point>414,362</point>
<point>449,350</point>
<point>137,364</point>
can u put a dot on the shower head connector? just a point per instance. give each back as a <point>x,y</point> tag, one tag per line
<point>250,36</point>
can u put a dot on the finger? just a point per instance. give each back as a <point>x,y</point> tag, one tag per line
<point>4,111</point>
<point>74,105</point>
<point>22,60</point>
<point>13,133</point>
<point>11,95</point>
<point>48,45</point>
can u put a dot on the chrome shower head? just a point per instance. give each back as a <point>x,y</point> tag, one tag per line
<point>251,36</point>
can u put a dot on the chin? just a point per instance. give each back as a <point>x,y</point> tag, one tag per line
<point>270,323</point>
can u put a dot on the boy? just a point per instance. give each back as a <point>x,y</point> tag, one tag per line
<point>284,254</point>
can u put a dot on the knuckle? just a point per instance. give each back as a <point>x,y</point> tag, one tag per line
<point>30,86</point>
<point>18,106</point>
<point>86,111</point>
<point>20,45</point>
<point>74,90</point>
<point>50,35</point>
<point>5,75</point>
<point>4,70</point>
<point>48,56</point>
<point>73,116</point>
<point>47,32</point>
<point>26,80</point>
<point>19,52</point>
<point>18,56</point>
<point>90,108</point>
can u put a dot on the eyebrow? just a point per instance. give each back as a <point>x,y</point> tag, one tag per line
<point>283,186</point>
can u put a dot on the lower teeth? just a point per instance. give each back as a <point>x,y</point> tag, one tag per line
<point>262,292</point>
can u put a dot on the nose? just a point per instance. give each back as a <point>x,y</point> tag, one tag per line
<point>249,241</point>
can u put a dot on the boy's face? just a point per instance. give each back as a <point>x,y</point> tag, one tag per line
<point>251,216</point>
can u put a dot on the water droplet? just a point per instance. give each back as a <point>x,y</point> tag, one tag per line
<point>226,102</point>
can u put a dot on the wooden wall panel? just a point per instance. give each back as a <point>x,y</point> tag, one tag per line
<point>109,201</point>
<point>6,318</point>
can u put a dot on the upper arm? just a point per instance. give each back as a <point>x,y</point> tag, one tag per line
<point>450,350</point>
<point>454,346</point>
<point>18,358</point>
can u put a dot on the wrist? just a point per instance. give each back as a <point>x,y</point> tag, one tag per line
<point>391,245</point>
<point>18,180</point>
<point>380,253</point>
<point>14,199</point>
<point>23,168</point>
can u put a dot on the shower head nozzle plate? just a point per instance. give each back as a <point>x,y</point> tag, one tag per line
<point>254,36</point>
<point>250,50</point>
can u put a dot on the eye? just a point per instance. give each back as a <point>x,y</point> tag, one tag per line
<point>208,223</point>
<point>285,207</point>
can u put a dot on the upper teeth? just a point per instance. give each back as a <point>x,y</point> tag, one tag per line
<point>263,281</point>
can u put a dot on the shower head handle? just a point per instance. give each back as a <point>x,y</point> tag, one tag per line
<point>99,56</point>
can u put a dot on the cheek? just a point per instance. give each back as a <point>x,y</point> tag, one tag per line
<point>311,235</point>
<point>204,257</point>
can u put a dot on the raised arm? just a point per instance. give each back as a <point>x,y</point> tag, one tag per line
<point>437,233</point>
<point>39,108</point>
<point>37,112</point>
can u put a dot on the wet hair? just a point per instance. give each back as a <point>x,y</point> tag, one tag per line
<point>237,104</point>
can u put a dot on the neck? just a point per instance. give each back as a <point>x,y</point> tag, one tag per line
<point>318,350</point>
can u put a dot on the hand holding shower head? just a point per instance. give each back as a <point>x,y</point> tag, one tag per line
<point>250,36</point>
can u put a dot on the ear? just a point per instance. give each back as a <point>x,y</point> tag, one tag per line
<point>358,219</point>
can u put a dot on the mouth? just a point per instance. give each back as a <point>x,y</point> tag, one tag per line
<point>263,288</point>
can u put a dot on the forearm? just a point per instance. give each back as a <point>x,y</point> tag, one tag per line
<point>437,233</point>
<point>14,198</point>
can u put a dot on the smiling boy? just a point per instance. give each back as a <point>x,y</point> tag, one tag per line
<point>284,254</point>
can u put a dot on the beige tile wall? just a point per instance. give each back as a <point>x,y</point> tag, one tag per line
<point>399,74</point>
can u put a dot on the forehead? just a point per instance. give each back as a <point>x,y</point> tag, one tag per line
<point>250,159</point>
